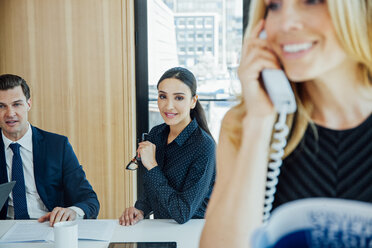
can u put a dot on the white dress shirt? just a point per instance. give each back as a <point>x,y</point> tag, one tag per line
<point>35,205</point>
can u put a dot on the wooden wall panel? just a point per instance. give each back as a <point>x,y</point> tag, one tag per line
<point>78,58</point>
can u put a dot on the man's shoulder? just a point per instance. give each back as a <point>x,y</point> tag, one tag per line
<point>40,133</point>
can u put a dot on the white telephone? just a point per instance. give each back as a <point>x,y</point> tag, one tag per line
<point>280,92</point>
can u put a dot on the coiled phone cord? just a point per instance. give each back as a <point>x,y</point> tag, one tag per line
<point>277,146</point>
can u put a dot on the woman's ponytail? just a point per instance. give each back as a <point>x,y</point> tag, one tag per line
<point>199,114</point>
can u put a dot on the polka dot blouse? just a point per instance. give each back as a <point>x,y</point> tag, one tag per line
<point>180,186</point>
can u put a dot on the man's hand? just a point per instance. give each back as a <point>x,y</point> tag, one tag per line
<point>130,216</point>
<point>58,214</point>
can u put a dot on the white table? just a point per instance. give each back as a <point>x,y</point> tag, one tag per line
<point>186,235</point>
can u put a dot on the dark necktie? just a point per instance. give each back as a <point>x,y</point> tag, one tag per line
<point>19,191</point>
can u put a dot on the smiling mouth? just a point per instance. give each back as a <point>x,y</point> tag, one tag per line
<point>297,48</point>
<point>170,115</point>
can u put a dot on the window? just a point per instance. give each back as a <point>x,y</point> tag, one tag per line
<point>199,22</point>
<point>190,36</point>
<point>181,36</point>
<point>190,23</point>
<point>182,50</point>
<point>181,22</point>
<point>208,22</point>
<point>199,36</point>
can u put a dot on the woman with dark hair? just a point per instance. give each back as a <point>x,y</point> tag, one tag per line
<point>179,155</point>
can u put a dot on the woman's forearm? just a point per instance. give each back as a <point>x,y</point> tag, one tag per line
<point>236,207</point>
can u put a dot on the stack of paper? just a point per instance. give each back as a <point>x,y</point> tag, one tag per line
<point>98,230</point>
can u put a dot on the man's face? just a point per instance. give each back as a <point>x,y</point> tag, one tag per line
<point>14,113</point>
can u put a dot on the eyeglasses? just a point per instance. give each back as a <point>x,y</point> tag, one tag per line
<point>134,163</point>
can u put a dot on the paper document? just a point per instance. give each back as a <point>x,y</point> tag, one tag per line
<point>25,231</point>
<point>98,230</point>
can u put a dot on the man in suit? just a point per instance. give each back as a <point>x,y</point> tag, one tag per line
<point>51,182</point>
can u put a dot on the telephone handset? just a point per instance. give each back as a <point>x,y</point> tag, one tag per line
<point>278,87</point>
<point>280,92</point>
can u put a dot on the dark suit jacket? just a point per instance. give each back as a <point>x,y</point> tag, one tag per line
<point>60,179</point>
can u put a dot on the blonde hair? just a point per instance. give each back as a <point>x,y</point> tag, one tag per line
<point>352,21</point>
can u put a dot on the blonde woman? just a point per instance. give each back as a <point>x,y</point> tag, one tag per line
<point>325,50</point>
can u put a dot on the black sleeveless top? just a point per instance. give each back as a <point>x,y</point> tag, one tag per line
<point>332,164</point>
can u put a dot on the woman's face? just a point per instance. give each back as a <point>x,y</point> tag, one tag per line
<point>302,35</point>
<point>175,102</point>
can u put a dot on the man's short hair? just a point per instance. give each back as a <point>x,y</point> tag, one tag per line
<point>9,81</point>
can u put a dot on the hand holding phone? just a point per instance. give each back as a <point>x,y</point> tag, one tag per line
<point>279,90</point>
<point>278,87</point>
<point>256,56</point>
